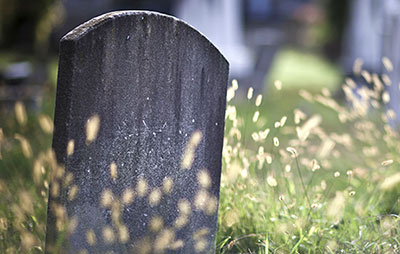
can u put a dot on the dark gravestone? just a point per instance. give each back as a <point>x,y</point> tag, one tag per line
<point>139,127</point>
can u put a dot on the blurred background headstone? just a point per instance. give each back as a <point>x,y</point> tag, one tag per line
<point>391,49</point>
<point>222,22</point>
<point>372,35</point>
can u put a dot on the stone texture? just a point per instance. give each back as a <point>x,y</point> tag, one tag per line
<point>152,81</point>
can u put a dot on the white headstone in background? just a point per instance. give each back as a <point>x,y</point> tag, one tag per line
<point>222,22</point>
<point>391,49</point>
<point>373,33</point>
<point>364,35</point>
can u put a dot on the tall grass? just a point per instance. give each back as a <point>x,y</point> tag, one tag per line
<point>306,174</point>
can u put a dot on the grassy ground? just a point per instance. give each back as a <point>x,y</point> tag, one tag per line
<point>298,69</point>
<point>338,193</point>
<point>306,174</point>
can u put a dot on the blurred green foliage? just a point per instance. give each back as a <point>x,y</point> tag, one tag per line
<point>26,24</point>
<point>298,69</point>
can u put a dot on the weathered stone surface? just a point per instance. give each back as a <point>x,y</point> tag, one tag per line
<point>156,90</point>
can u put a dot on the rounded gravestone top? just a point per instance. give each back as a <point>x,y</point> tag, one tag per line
<point>81,30</point>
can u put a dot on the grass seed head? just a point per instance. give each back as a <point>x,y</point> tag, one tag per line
<point>184,207</point>
<point>258,100</point>
<point>20,113</point>
<point>212,205</point>
<point>156,224</point>
<point>155,197</point>
<point>278,85</point>
<point>181,221</point>
<point>314,165</point>
<point>70,147</point>
<point>141,187</point>
<point>390,182</point>
<point>230,94</point>
<point>127,197</point>
<point>73,192</point>
<point>123,234</point>
<point>272,181</point>
<point>204,179</point>
<point>386,80</point>
<point>367,76</point>
<point>306,95</point>
<point>90,237</point>
<point>163,240</point>
<point>25,145</point>
<point>107,198</point>
<point>292,151</point>
<point>201,199</point>
<point>92,128</point>
<point>235,84</point>
<point>255,116</point>
<point>168,185</point>
<point>387,63</point>
<point>113,171</point>
<point>276,141</point>
<point>387,163</point>
<point>250,93</point>
<point>46,123</point>
<point>108,235</point>
<point>189,153</point>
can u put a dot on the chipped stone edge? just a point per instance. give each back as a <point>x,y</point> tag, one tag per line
<point>81,30</point>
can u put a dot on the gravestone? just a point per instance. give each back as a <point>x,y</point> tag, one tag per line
<point>390,48</point>
<point>363,38</point>
<point>373,34</point>
<point>139,125</point>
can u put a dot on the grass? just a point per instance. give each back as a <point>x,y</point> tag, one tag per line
<point>307,174</point>
<point>297,69</point>
<point>338,194</point>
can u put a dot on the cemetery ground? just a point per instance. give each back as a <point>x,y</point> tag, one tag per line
<point>302,173</point>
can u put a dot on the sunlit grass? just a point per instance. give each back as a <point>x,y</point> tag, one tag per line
<point>330,185</point>
<point>297,69</point>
